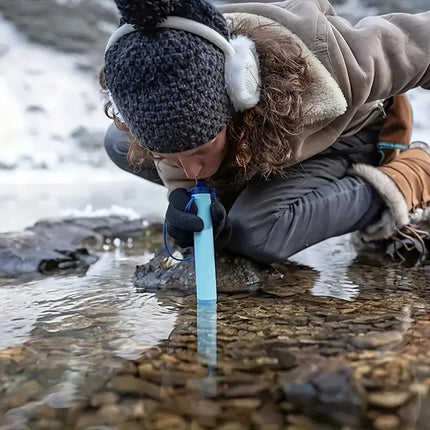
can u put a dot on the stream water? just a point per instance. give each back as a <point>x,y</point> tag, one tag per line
<point>89,351</point>
<point>74,331</point>
<point>93,352</point>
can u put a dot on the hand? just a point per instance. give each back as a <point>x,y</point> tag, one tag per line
<point>182,225</point>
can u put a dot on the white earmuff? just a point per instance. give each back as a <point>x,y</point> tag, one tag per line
<point>242,73</point>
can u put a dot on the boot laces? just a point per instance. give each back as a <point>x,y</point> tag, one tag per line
<point>409,242</point>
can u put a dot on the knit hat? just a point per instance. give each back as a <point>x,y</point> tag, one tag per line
<point>169,85</point>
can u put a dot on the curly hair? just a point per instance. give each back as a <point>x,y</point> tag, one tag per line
<point>259,139</point>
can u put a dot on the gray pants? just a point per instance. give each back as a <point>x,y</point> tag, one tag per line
<point>317,199</point>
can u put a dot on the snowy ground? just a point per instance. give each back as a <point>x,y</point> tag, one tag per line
<point>46,167</point>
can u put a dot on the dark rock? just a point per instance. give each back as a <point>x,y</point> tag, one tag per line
<point>325,389</point>
<point>285,358</point>
<point>129,384</point>
<point>35,109</point>
<point>88,140</point>
<point>62,244</point>
<point>378,340</point>
<point>234,274</point>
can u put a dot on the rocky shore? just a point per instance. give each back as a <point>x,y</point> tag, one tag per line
<point>59,245</point>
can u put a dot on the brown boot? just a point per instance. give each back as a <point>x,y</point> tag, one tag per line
<point>404,184</point>
<point>395,134</point>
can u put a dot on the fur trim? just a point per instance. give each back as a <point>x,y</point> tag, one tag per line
<point>397,214</point>
<point>421,215</point>
<point>242,74</point>
<point>324,99</point>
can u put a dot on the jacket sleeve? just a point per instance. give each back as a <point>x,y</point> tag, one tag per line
<point>324,6</point>
<point>172,176</point>
<point>382,55</point>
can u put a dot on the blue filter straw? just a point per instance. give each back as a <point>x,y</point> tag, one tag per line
<point>204,255</point>
<point>207,343</point>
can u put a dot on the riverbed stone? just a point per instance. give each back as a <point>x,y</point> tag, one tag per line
<point>389,399</point>
<point>375,340</point>
<point>386,422</point>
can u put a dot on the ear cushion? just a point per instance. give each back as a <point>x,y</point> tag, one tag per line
<point>242,74</point>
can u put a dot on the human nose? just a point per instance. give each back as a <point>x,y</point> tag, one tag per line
<point>192,168</point>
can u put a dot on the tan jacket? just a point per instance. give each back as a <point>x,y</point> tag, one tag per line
<point>356,67</point>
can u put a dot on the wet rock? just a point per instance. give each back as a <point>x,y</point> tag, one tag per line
<point>131,385</point>
<point>44,424</point>
<point>234,274</point>
<point>133,408</point>
<point>389,399</point>
<point>107,398</point>
<point>173,422</point>
<point>233,426</point>
<point>62,244</point>
<point>267,417</point>
<point>128,368</point>
<point>282,352</point>
<point>386,422</point>
<point>205,408</point>
<point>326,389</point>
<point>378,340</point>
<point>25,252</point>
<point>243,390</point>
<point>244,403</point>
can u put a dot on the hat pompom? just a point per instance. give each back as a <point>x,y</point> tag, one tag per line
<point>144,14</point>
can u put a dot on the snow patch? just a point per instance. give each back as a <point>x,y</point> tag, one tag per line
<point>44,98</point>
<point>90,212</point>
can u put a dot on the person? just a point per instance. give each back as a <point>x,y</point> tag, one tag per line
<point>301,123</point>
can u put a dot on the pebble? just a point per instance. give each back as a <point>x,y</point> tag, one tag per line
<point>375,340</point>
<point>131,385</point>
<point>106,398</point>
<point>170,422</point>
<point>386,422</point>
<point>233,426</point>
<point>388,399</point>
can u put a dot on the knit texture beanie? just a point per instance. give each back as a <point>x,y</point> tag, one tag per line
<point>169,85</point>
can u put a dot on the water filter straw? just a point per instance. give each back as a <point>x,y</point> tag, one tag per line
<point>207,332</point>
<point>204,254</point>
<point>207,343</point>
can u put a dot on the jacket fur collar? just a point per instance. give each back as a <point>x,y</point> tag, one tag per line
<point>324,100</point>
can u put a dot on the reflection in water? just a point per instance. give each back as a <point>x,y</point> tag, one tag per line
<point>267,358</point>
<point>71,332</point>
<point>333,280</point>
<point>207,342</point>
